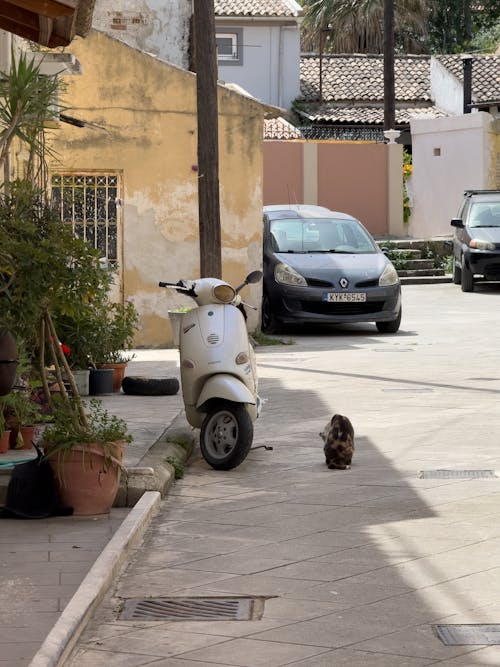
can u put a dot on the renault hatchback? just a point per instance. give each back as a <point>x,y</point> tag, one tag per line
<point>323,267</point>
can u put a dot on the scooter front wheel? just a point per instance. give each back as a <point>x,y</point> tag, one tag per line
<point>226,436</point>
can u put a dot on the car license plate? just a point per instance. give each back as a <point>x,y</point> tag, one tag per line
<point>344,297</point>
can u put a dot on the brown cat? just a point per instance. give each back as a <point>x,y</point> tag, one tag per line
<point>338,436</point>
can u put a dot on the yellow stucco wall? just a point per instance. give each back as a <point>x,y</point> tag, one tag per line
<point>142,123</point>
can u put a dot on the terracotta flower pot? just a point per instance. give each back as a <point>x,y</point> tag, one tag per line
<point>4,442</point>
<point>86,482</point>
<point>28,435</point>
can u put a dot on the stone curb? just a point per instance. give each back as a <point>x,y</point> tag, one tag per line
<point>75,616</point>
<point>156,469</point>
<point>141,489</point>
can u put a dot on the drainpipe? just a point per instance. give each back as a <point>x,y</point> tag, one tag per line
<point>281,75</point>
<point>467,63</point>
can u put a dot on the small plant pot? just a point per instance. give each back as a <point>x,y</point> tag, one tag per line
<point>118,374</point>
<point>4,442</point>
<point>82,381</point>
<point>28,436</point>
<point>101,381</point>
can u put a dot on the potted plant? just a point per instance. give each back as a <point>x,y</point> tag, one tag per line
<point>22,414</point>
<point>115,339</point>
<point>85,450</point>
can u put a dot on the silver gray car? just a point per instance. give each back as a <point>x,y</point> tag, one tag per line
<point>323,267</point>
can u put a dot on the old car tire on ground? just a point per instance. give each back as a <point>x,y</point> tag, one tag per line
<point>144,386</point>
<point>391,326</point>
<point>467,280</point>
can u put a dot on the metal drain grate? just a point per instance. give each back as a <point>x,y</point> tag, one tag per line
<point>190,609</point>
<point>463,635</point>
<point>456,474</point>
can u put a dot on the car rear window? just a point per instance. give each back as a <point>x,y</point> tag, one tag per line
<point>484,214</point>
<point>320,235</point>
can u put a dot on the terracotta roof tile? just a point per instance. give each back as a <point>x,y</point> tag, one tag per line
<point>485,74</point>
<point>361,77</point>
<point>354,115</point>
<point>255,8</point>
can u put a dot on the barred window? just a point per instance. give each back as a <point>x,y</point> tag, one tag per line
<point>89,203</point>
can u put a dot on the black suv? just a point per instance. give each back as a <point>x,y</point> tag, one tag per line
<point>476,243</point>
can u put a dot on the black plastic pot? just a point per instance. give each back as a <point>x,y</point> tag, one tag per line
<point>100,381</point>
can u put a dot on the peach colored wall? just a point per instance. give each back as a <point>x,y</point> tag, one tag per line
<point>351,177</point>
<point>283,179</point>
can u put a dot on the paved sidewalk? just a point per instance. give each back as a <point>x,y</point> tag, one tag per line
<point>43,562</point>
<point>347,568</point>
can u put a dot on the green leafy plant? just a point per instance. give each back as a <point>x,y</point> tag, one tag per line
<point>68,430</point>
<point>263,339</point>
<point>28,100</point>
<point>177,466</point>
<point>19,404</point>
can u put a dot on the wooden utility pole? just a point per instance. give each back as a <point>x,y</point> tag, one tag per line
<point>205,62</point>
<point>389,91</point>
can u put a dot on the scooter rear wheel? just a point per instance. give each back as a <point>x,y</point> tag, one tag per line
<point>226,436</point>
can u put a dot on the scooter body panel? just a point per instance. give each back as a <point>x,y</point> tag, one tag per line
<point>211,338</point>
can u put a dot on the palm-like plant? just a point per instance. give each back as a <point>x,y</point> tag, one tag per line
<point>28,99</point>
<point>357,26</point>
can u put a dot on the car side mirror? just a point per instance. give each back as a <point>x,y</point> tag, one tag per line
<point>457,222</point>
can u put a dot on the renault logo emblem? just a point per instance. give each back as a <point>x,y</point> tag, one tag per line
<point>344,283</point>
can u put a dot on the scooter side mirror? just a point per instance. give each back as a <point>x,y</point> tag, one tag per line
<point>254,277</point>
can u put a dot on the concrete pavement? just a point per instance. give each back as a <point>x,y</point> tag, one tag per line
<point>43,563</point>
<point>347,568</point>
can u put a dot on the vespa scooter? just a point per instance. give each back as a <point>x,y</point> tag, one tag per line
<point>218,369</point>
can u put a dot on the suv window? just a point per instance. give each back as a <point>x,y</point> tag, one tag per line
<point>484,214</point>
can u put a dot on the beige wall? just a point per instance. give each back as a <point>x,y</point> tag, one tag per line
<point>363,179</point>
<point>141,122</point>
<point>450,155</point>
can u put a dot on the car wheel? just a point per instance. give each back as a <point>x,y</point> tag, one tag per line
<point>457,273</point>
<point>391,326</point>
<point>270,323</point>
<point>467,278</point>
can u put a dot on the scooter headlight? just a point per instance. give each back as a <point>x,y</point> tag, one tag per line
<point>224,293</point>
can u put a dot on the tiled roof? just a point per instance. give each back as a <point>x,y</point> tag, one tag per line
<point>279,128</point>
<point>361,78</point>
<point>256,8</point>
<point>354,115</point>
<point>485,74</point>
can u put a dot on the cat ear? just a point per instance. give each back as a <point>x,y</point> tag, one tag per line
<point>333,419</point>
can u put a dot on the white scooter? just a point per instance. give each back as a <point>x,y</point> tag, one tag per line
<point>218,369</point>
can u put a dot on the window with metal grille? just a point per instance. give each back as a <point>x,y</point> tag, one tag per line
<point>89,203</point>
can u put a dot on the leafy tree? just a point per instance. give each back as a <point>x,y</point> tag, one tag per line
<point>357,26</point>
<point>454,25</point>
<point>420,26</point>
